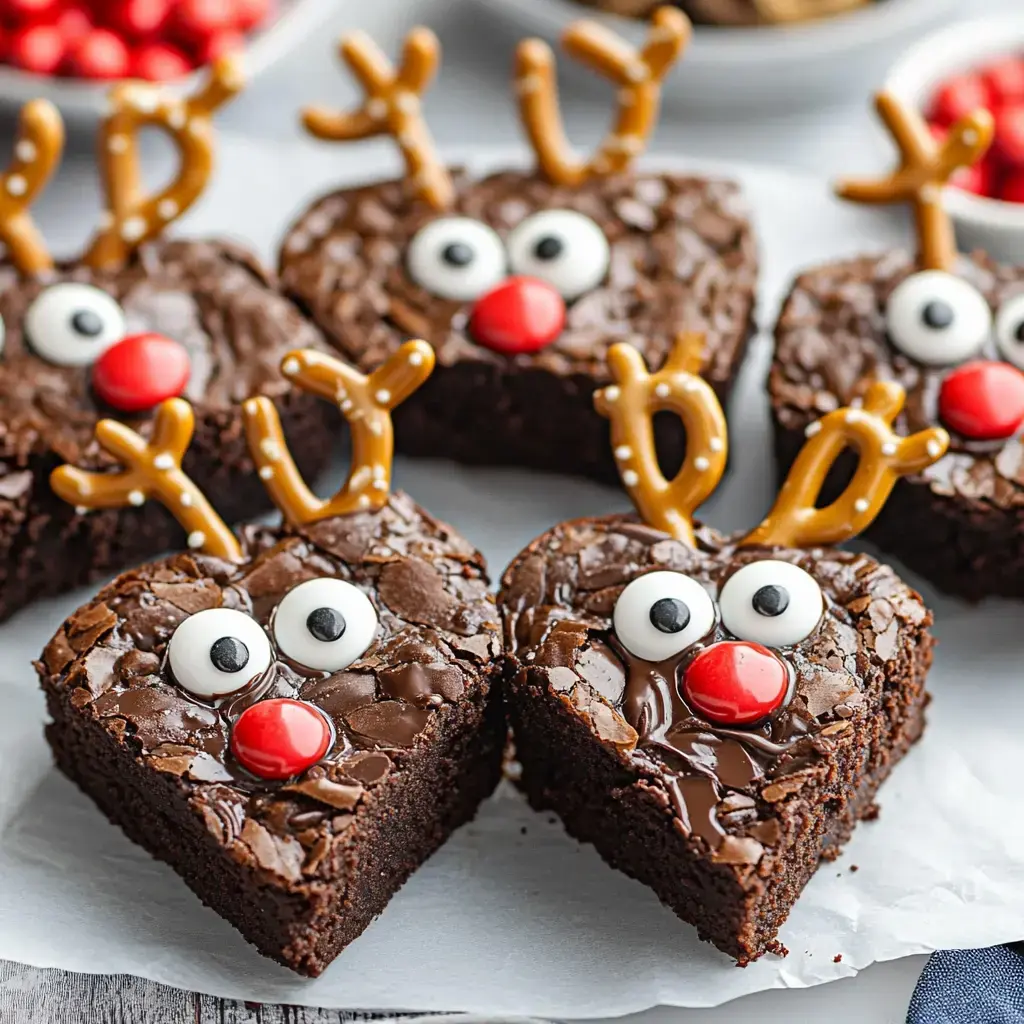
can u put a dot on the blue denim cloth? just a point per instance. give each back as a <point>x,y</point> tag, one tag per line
<point>971,986</point>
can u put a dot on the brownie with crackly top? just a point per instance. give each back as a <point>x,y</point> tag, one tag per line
<point>410,733</point>
<point>833,337</point>
<point>521,280</point>
<point>725,824</point>
<point>210,300</point>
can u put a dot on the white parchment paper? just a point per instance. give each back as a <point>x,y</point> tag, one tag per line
<point>511,917</point>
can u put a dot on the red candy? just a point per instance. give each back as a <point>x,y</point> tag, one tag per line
<point>998,87</point>
<point>279,738</point>
<point>140,372</point>
<point>102,55</point>
<point>983,400</point>
<point>156,40</point>
<point>39,49</point>
<point>159,62</point>
<point>959,96</point>
<point>139,19</point>
<point>1005,80</point>
<point>736,683</point>
<point>1009,142</point>
<point>522,314</point>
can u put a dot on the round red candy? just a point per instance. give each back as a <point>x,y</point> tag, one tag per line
<point>37,48</point>
<point>158,62</point>
<point>959,96</point>
<point>100,54</point>
<point>736,682</point>
<point>523,314</point>
<point>140,371</point>
<point>279,738</point>
<point>1005,79</point>
<point>138,19</point>
<point>983,400</point>
<point>1009,144</point>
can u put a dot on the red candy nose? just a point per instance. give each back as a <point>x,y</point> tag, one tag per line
<point>140,371</point>
<point>983,400</point>
<point>735,682</point>
<point>276,739</point>
<point>523,314</point>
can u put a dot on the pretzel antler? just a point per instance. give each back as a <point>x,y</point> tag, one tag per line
<point>366,403</point>
<point>392,107</point>
<point>152,470</point>
<point>37,152</point>
<point>637,73</point>
<point>926,164</point>
<point>131,217</point>
<point>631,402</point>
<point>883,457</point>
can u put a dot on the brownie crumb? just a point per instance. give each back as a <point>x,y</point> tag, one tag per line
<point>837,958</point>
<point>855,867</point>
<point>776,947</point>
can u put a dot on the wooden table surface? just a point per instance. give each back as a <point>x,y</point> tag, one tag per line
<point>29,995</point>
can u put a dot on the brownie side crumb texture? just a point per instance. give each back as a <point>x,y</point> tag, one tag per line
<point>683,257</point>
<point>967,510</point>
<point>222,307</point>
<point>300,867</point>
<point>730,826</point>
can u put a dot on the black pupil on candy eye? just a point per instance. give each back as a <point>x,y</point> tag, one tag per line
<point>87,322</point>
<point>1019,333</point>
<point>548,248</point>
<point>937,315</point>
<point>229,654</point>
<point>457,254</point>
<point>670,615</point>
<point>770,600</point>
<point>325,624</point>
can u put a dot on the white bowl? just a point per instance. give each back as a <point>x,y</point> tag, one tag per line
<point>981,223</point>
<point>730,70</point>
<point>80,100</point>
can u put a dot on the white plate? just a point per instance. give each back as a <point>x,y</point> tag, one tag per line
<point>739,70</point>
<point>81,100</point>
<point>511,917</point>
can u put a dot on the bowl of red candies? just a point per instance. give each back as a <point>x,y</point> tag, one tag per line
<point>71,50</point>
<point>960,69</point>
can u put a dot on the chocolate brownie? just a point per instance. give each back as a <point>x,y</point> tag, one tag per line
<point>726,825</point>
<point>715,714</point>
<point>948,328</point>
<point>221,308</point>
<point>134,321</point>
<point>521,280</point>
<point>412,730</point>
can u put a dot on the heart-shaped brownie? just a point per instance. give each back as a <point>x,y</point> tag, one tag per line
<point>716,713</point>
<point>293,718</point>
<point>136,320</point>
<point>950,329</point>
<point>521,280</point>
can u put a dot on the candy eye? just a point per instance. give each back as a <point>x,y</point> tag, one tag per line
<point>456,258</point>
<point>325,624</point>
<point>218,652</point>
<point>937,318</point>
<point>73,324</point>
<point>661,614</point>
<point>1010,331</point>
<point>772,603</point>
<point>563,248</point>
